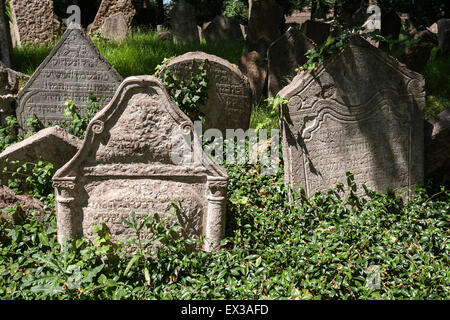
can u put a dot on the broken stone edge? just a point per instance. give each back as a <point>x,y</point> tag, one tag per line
<point>65,179</point>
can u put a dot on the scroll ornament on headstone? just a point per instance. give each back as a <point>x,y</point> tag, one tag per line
<point>129,163</point>
<point>360,111</point>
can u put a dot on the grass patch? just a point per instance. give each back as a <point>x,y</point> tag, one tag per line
<point>139,54</point>
<point>437,84</point>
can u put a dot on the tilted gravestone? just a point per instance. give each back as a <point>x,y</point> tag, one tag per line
<point>285,55</point>
<point>34,21</point>
<point>264,23</point>
<point>228,105</point>
<point>444,36</point>
<point>115,27</point>
<point>5,37</point>
<point>183,23</point>
<point>360,111</point>
<point>223,29</point>
<point>129,163</point>
<point>417,54</point>
<point>110,7</point>
<point>51,144</point>
<point>74,69</point>
<point>316,31</point>
<point>264,26</point>
<point>437,148</point>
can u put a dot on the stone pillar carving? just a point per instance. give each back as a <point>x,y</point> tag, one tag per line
<point>64,198</point>
<point>215,224</point>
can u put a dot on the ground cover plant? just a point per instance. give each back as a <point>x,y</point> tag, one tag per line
<point>322,247</point>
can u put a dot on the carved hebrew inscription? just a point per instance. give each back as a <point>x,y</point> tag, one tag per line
<point>360,111</point>
<point>125,165</point>
<point>74,69</point>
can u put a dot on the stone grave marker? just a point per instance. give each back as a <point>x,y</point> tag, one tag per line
<point>115,27</point>
<point>229,95</point>
<point>285,55</point>
<point>74,69</point>
<point>223,29</point>
<point>444,35</point>
<point>264,23</point>
<point>5,37</point>
<point>50,144</point>
<point>360,111</point>
<point>316,31</point>
<point>110,7</point>
<point>34,21</point>
<point>183,23</point>
<point>127,164</point>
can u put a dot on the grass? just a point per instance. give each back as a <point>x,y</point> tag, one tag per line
<point>140,53</point>
<point>437,86</point>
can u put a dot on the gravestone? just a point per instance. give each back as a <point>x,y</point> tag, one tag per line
<point>5,37</point>
<point>223,29</point>
<point>51,144</point>
<point>437,149</point>
<point>229,95</point>
<point>316,31</point>
<point>127,164</point>
<point>360,111</point>
<point>285,55</point>
<point>255,67</point>
<point>416,56</point>
<point>34,21</point>
<point>74,69</point>
<point>115,27</point>
<point>110,7</point>
<point>444,36</point>
<point>9,86</point>
<point>183,23</point>
<point>264,23</point>
<point>391,24</point>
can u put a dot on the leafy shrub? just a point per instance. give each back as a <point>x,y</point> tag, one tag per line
<point>190,95</point>
<point>77,120</point>
<point>320,248</point>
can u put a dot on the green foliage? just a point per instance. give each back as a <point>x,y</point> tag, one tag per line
<point>140,53</point>
<point>320,248</point>
<point>187,95</point>
<point>8,134</point>
<point>77,121</point>
<point>437,84</point>
<point>31,178</point>
<point>235,9</point>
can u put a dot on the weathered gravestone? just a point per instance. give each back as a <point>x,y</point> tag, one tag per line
<point>316,31</point>
<point>51,144</point>
<point>34,21</point>
<point>127,164</point>
<point>417,54</point>
<point>360,111</point>
<point>437,148</point>
<point>5,37</point>
<point>228,105</point>
<point>115,27</point>
<point>183,23</point>
<point>444,35</point>
<point>264,27</point>
<point>285,55</point>
<point>74,69</point>
<point>223,29</point>
<point>109,8</point>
